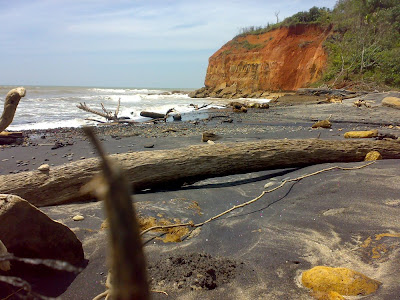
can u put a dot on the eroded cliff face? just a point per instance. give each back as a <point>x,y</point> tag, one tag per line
<point>283,59</point>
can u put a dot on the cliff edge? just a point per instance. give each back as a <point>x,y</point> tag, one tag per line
<point>283,59</point>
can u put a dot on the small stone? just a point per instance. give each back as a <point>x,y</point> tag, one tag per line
<point>78,218</point>
<point>268,185</point>
<point>206,136</point>
<point>82,157</point>
<point>210,142</point>
<point>148,146</point>
<point>44,168</point>
<point>6,159</point>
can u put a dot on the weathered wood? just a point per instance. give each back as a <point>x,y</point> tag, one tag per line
<point>128,265</point>
<point>154,168</point>
<point>10,106</point>
<point>7,137</point>
<point>153,115</point>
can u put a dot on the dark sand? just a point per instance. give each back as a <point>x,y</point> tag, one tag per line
<point>258,251</point>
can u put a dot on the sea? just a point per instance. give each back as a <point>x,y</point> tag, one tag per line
<point>45,107</point>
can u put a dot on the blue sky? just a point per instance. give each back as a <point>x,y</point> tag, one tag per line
<point>121,43</point>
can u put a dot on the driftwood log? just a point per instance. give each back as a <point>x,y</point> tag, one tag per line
<point>10,106</point>
<point>153,115</point>
<point>166,167</point>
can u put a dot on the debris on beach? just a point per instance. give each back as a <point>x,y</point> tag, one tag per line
<point>209,136</point>
<point>361,134</point>
<point>393,102</point>
<point>337,281</point>
<point>373,155</point>
<point>322,124</point>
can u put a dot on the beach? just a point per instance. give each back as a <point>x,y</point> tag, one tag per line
<point>258,251</point>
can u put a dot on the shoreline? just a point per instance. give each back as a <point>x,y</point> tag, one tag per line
<point>284,119</point>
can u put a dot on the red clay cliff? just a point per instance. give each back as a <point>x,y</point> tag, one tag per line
<point>283,59</point>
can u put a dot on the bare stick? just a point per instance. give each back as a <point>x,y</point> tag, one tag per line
<point>88,109</point>
<point>128,276</point>
<point>117,109</point>
<point>255,199</point>
<point>108,113</point>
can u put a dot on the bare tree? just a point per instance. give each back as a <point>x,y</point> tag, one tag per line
<point>277,15</point>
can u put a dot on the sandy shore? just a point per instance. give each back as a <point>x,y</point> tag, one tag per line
<point>259,251</point>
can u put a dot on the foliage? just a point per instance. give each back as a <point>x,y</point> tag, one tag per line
<point>246,45</point>
<point>315,15</point>
<point>365,45</point>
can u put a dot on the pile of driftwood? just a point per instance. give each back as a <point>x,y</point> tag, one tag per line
<point>113,117</point>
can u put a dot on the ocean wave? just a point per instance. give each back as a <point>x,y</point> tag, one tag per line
<point>125,91</point>
<point>99,90</point>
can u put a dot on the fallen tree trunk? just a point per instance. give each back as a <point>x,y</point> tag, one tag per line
<point>162,167</point>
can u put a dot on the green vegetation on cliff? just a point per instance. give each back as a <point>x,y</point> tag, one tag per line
<point>365,44</point>
<point>364,47</point>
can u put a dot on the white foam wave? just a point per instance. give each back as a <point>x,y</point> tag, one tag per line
<point>125,91</point>
<point>51,124</point>
<point>98,90</point>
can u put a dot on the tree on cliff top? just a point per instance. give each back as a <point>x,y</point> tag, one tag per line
<point>365,44</point>
<point>364,47</point>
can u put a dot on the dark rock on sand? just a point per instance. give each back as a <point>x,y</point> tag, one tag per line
<point>192,271</point>
<point>27,232</point>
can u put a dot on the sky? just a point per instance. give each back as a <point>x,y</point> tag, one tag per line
<point>121,43</point>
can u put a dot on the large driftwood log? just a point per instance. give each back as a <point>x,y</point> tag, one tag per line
<point>154,168</point>
<point>10,106</point>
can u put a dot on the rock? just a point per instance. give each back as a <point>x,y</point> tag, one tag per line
<point>177,117</point>
<point>238,107</point>
<point>393,102</point>
<point>4,265</point>
<point>269,184</point>
<point>209,136</point>
<point>210,142</point>
<point>322,124</point>
<point>361,134</point>
<point>228,92</point>
<point>259,105</point>
<point>200,93</point>
<point>27,232</point>
<point>78,218</point>
<point>323,280</point>
<point>148,146</point>
<point>373,155</point>
<point>44,168</point>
